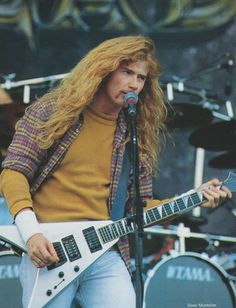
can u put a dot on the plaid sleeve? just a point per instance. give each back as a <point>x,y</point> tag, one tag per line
<point>24,155</point>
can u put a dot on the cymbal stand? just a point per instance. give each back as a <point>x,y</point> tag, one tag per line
<point>198,175</point>
<point>182,232</point>
<point>226,62</point>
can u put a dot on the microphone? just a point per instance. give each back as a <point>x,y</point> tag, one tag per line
<point>131,98</point>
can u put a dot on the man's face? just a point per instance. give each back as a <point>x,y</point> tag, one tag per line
<point>128,77</point>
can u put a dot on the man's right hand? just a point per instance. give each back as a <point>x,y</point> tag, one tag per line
<point>41,251</point>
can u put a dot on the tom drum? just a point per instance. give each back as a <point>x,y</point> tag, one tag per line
<point>10,288</point>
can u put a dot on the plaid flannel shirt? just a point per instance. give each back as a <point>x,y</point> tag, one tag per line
<point>25,156</point>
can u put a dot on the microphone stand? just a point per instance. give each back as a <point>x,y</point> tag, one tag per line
<point>137,205</point>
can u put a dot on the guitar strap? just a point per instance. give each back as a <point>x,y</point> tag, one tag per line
<point>118,208</point>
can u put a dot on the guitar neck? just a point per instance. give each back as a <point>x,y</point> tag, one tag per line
<point>176,206</point>
<point>156,214</point>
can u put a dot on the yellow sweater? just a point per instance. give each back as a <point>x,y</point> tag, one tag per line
<point>79,188</point>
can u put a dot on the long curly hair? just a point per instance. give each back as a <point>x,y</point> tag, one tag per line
<point>77,91</point>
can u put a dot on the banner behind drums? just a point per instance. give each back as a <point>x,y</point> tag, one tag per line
<point>10,288</point>
<point>188,280</point>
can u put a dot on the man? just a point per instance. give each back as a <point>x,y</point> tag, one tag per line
<point>65,161</point>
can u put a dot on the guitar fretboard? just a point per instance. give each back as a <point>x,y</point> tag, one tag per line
<point>156,214</point>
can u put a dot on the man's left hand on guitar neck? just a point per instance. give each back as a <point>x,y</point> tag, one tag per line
<point>214,192</point>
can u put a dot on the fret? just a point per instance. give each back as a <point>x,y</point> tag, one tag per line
<point>147,217</point>
<point>190,202</point>
<point>116,234</point>
<point>168,208</point>
<point>128,227</point>
<point>106,229</point>
<point>151,215</point>
<point>102,235</point>
<point>157,213</point>
<point>163,212</point>
<point>195,198</point>
<point>111,231</point>
<point>118,228</point>
<point>181,204</point>
<point>121,227</point>
<point>176,208</point>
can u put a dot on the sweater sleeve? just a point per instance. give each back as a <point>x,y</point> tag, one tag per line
<point>15,188</point>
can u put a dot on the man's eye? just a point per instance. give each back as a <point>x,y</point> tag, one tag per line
<point>143,78</point>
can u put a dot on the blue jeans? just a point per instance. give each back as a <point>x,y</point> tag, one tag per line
<point>104,284</point>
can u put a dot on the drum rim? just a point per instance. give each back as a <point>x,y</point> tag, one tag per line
<point>5,253</point>
<point>203,257</point>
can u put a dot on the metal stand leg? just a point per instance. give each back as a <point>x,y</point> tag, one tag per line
<point>198,176</point>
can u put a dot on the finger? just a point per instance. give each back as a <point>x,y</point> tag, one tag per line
<point>228,192</point>
<point>46,256</point>
<point>52,252</point>
<point>212,197</point>
<point>215,191</point>
<point>37,262</point>
<point>40,263</point>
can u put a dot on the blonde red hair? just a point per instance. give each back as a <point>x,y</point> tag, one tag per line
<point>77,91</point>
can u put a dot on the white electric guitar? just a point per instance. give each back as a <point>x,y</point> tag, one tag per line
<point>79,244</point>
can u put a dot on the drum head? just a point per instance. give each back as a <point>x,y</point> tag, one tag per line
<point>188,280</point>
<point>10,288</point>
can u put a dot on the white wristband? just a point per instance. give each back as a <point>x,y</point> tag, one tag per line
<point>27,224</point>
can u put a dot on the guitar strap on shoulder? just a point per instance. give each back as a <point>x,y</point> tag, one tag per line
<point>118,208</point>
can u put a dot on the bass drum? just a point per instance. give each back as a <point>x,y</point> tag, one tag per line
<point>10,287</point>
<point>188,280</point>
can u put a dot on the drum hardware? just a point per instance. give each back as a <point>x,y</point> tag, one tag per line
<point>9,84</point>
<point>8,80</point>
<point>225,61</point>
<point>10,288</point>
<point>4,246</point>
<point>183,232</point>
<point>226,261</point>
<point>224,161</point>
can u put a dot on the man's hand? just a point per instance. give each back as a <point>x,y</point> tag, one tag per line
<point>213,194</point>
<point>41,251</point>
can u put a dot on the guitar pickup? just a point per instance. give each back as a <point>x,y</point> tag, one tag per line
<point>92,239</point>
<point>61,255</point>
<point>71,248</point>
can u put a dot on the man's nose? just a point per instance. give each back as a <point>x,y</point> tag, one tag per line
<point>133,83</point>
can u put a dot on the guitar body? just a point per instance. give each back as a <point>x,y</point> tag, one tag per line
<point>75,253</point>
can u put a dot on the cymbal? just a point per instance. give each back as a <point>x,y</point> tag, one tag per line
<point>224,161</point>
<point>220,136</point>
<point>186,115</point>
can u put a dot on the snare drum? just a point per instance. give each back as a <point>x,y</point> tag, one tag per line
<point>10,287</point>
<point>188,280</point>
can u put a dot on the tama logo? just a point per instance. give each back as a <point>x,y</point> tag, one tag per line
<point>9,271</point>
<point>189,273</point>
